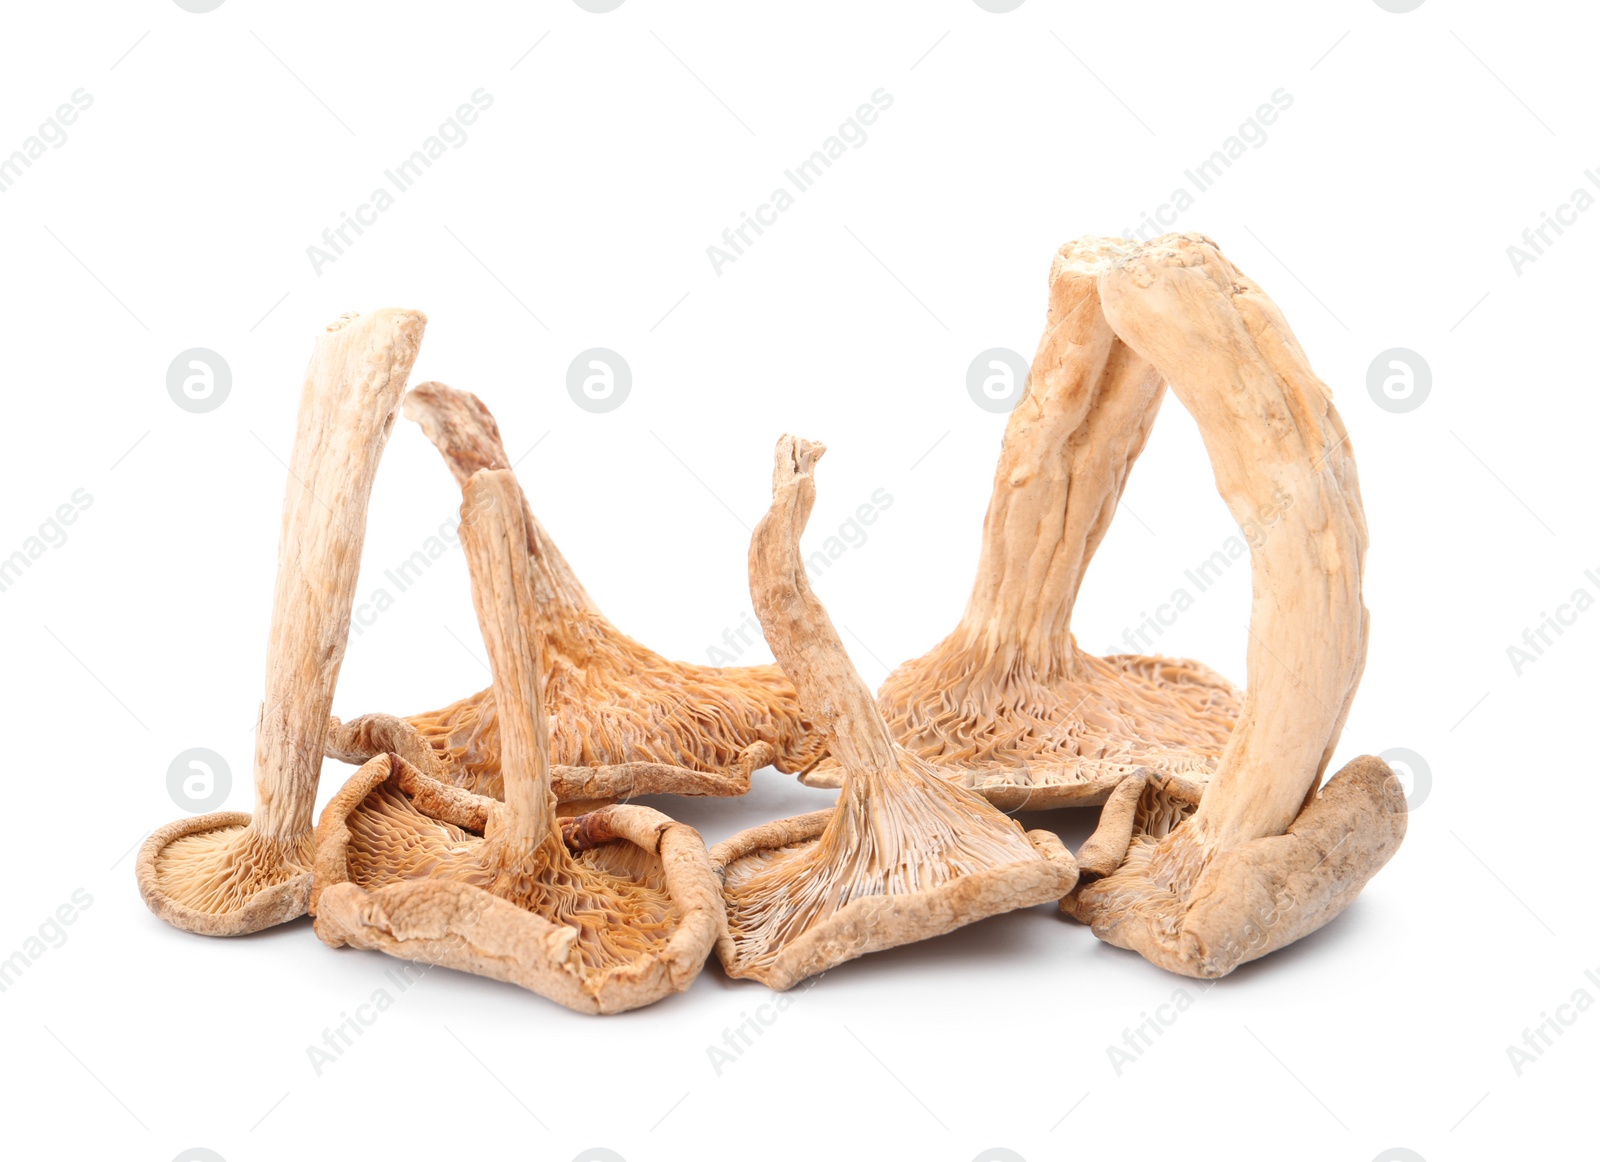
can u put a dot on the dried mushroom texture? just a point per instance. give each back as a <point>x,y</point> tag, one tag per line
<point>430,872</point>
<point>906,854</point>
<point>228,872</point>
<point>624,720</point>
<point>1008,704</point>
<point>1268,856</point>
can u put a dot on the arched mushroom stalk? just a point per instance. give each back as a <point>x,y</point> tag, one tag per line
<point>228,872</point>
<point>906,854</point>
<point>1267,857</point>
<point>425,871</point>
<point>624,721</point>
<point>1007,703</point>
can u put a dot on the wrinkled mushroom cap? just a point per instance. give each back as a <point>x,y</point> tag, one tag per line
<point>400,869</point>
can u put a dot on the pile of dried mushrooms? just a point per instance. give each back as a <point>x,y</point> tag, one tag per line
<point>495,835</point>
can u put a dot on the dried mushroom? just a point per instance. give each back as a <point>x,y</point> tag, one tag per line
<point>227,873</point>
<point>906,854</point>
<point>624,721</point>
<point>1008,704</point>
<point>426,871</point>
<point>1267,857</point>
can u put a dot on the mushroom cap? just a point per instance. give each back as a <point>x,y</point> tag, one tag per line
<point>1031,741</point>
<point>875,922</point>
<point>403,866</point>
<point>1203,911</point>
<point>215,875</point>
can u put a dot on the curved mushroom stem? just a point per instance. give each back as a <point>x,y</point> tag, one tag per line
<point>1069,446</point>
<point>905,854</point>
<point>225,874</point>
<point>1007,702</point>
<point>497,540</point>
<point>1271,430</point>
<point>1268,856</point>
<point>798,628</point>
<point>466,434</point>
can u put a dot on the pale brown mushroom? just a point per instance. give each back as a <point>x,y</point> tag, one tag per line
<point>228,872</point>
<point>906,854</point>
<point>1008,704</point>
<point>624,721</point>
<point>425,871</point>
<point>1268,856</point>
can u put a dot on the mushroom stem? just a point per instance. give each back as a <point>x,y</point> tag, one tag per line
<point>798,628</point>
<point>465,432</point>
<point>906,854</point>
<point>1069,445</point>
<point>347,409</point>
<point>497,540</point>
<point>1271,431</point>
<point>228,873</point>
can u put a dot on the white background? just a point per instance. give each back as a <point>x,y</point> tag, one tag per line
<point>577,214</point>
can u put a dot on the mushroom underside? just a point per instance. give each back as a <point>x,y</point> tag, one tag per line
<point>415,868</point>
<point>1031,741</point>
<point>905,856</point>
